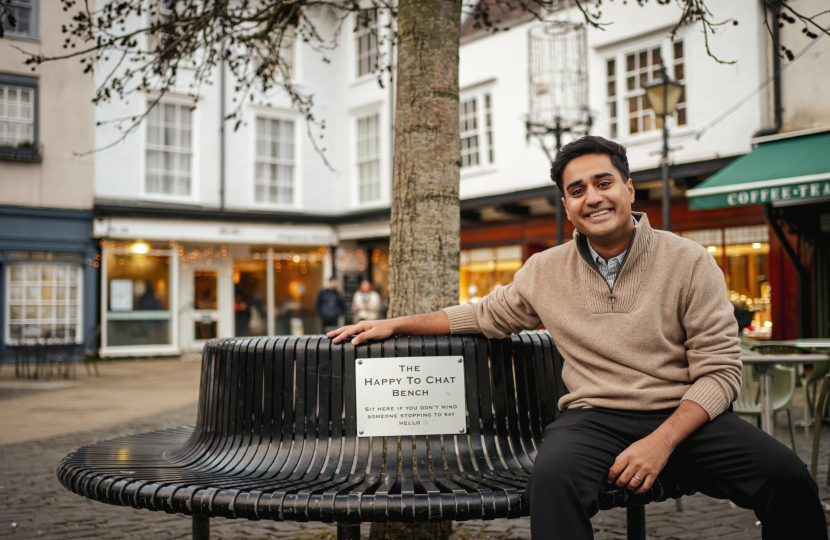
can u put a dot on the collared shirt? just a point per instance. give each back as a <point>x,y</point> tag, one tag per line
<point>610,268</point>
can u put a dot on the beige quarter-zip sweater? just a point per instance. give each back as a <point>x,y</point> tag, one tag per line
<point>663,334</point>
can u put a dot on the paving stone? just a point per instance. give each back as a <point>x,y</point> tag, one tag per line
<point>35,505</point>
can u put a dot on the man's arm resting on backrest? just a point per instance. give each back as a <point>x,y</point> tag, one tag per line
<point>436,322</point>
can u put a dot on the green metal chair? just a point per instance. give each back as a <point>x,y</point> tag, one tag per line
<point>783,390</point>
<point>820,418</point>
<point>808,383</point>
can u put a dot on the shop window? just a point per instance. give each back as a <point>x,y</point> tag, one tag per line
<point>743,255</point>
<point>298,278</point>
<point>274,161</point>
<point>25,15</point>
<point>485,270</point>
<point>366,41</point>
<point>169,149</point>
<point>46,296</point>
<point>368,158</point>
<point>138,290</point>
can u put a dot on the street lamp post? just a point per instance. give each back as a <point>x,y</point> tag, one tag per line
<point>663,95</point>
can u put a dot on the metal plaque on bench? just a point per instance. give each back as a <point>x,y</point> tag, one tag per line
<point>421,395</point>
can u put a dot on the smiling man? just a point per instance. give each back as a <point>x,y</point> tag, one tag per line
<point>651,351</point>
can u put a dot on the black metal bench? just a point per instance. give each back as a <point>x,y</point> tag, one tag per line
<point>276,438</point>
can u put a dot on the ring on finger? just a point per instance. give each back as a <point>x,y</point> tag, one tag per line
<point>637,478</point>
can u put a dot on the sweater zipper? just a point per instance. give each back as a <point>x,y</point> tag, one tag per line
<point>611,297</point>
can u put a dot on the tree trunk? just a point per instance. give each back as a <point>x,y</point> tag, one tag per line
<point>424,242</point>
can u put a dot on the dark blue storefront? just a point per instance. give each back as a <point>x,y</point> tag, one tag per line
<point>49,274</point>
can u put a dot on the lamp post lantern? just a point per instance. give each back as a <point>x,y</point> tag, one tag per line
<point>663,95</point>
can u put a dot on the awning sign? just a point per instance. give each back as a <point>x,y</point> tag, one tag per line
<point>765,195</point>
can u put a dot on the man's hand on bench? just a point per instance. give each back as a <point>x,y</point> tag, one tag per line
<point>363,330</point>
<point>436,322</point>
<point>639,464</point>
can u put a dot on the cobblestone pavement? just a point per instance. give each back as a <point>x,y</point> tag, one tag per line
<point>33,504</point>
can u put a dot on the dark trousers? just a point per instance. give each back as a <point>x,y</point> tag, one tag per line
<point>727,458</point>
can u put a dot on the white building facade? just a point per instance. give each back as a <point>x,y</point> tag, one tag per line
<point>216,233</point>
<point>210,232</point>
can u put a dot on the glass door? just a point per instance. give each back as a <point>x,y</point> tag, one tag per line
<point>205,305</point>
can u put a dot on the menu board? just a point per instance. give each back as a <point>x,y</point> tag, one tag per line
<point>121,295</point>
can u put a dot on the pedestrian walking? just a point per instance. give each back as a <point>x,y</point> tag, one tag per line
<point>330,306</point>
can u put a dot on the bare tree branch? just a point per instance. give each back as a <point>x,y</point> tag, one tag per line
<point>158,47</point>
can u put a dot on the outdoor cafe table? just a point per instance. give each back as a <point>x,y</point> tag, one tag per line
<point>805,343</point>
<point>763,366</point>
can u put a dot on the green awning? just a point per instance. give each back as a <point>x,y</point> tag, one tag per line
<point>778,169</point>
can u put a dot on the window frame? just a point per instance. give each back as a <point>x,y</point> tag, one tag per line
<point>79,299</point>
<point>282,116</point>
<point>623,95</point>
<point>358,34</point>
<point>487,155</point>
<point>178,101</point>
<point>378,157</point>
<point>34,22</point>
<point>27,82</point>
<point>108,350</point>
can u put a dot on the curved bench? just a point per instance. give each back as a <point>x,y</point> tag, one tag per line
<point>276,438</point>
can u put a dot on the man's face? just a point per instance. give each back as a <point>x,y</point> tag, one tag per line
<point>365,286</point>
<point>333,284</point>
<point>597,200</point>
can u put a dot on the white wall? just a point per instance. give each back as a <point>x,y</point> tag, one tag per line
<point>63,179</point>
<point>712,88</point>
<point>339,99</point>
<point>804,84</point>
<point>498,63</point>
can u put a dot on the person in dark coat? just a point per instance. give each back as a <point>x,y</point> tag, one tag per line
<point>330,306</point>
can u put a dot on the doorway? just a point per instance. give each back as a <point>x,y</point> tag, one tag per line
<point>250,293</point>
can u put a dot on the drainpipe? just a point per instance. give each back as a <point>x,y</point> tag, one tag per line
<point>222,132</point>
<point>776,82</point>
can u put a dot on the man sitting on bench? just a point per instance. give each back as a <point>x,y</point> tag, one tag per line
<point>651,352</point>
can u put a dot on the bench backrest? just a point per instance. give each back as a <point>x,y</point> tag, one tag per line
<point>286,406</point>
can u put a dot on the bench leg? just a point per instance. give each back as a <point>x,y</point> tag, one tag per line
<point>201,528</point>
<point>348,531</point>
<point>635,518</point>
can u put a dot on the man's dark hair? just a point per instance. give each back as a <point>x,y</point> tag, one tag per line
<point>589,144</point>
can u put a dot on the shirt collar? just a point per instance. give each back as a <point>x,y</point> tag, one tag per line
<point>595,255</point>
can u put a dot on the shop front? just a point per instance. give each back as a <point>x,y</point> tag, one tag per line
<point>743,254</point>
<point>739,239</point>
<point>169,286</point>
<point>49,270</point>
<point>484,270</point>
<point>788,176</point>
